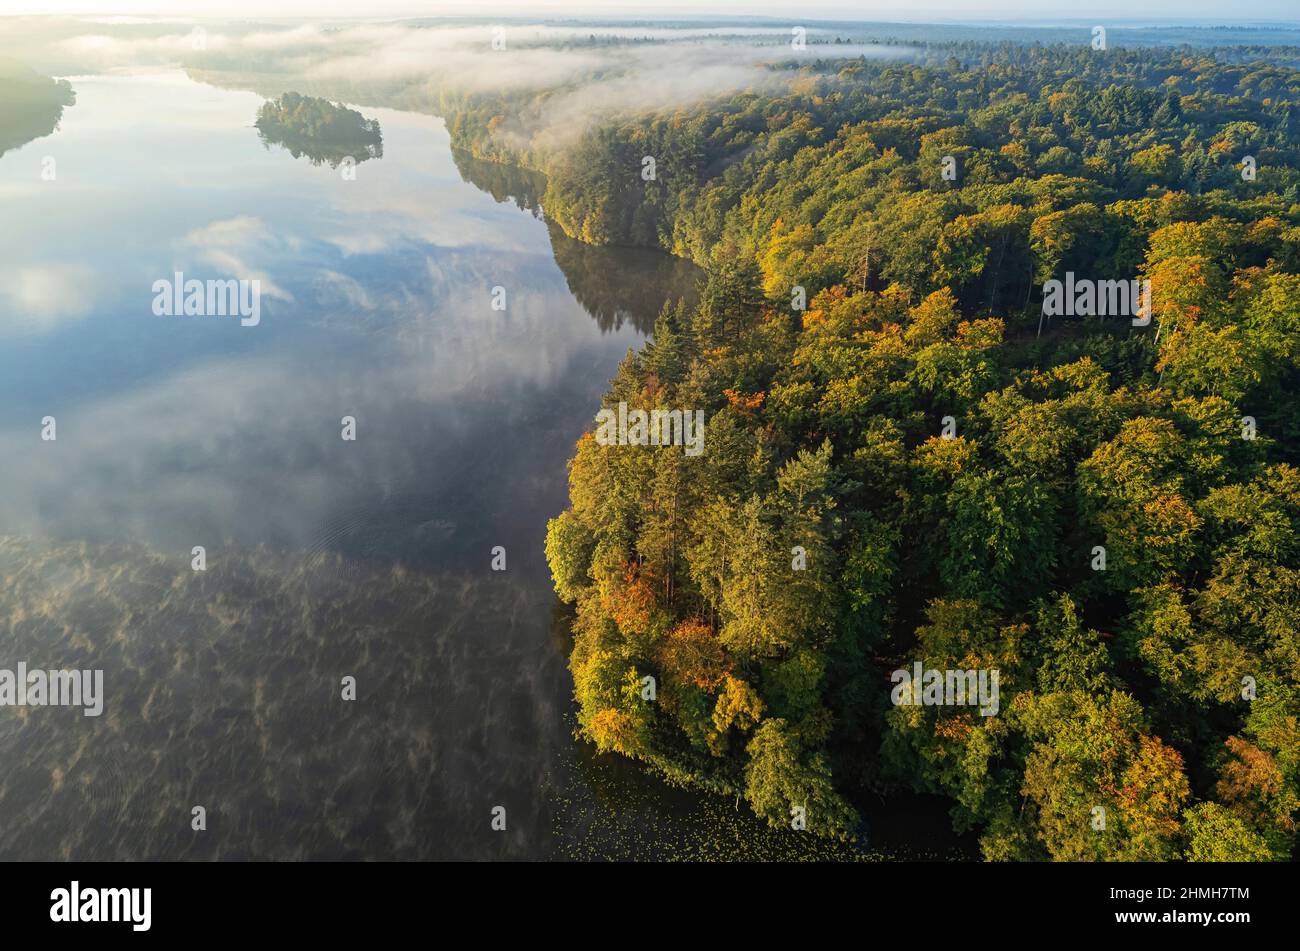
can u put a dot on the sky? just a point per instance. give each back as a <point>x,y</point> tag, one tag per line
<point>1215,10</point>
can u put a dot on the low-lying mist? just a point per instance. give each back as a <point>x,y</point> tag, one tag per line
<point>580,73</point>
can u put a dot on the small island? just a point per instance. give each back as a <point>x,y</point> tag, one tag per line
<point>326,133</point>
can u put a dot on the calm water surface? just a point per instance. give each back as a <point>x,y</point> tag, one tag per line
<point>325,558</point>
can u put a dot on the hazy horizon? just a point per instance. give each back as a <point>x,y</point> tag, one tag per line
<point>1024,11</point>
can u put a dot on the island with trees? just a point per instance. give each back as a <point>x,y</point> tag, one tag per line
<point>323,131</point>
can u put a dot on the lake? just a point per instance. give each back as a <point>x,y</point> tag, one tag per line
<point>325,558</point>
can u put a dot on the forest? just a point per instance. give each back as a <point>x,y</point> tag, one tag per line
<point>906,463</point>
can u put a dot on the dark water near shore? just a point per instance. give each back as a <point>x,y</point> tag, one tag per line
<point>325,558</point>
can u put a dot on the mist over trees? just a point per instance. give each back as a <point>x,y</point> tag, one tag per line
<point>1107,514</point>
<point>906,459</point>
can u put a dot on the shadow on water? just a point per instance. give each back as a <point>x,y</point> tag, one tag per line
<point>616,286</point>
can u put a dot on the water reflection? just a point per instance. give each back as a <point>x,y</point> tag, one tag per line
<point>325,558</point>
<point>30,105</point>
<point>505,183</point>
<point>224,691</point>
<point>324,132</point>
<point>616,286</point>
<point>376,304</point>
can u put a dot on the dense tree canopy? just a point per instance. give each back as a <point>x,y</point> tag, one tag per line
<point>918,466</point>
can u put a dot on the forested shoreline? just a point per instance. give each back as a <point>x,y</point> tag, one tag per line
<point>947,465</point>
<point>31,105</point>
<point>907,461</point>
